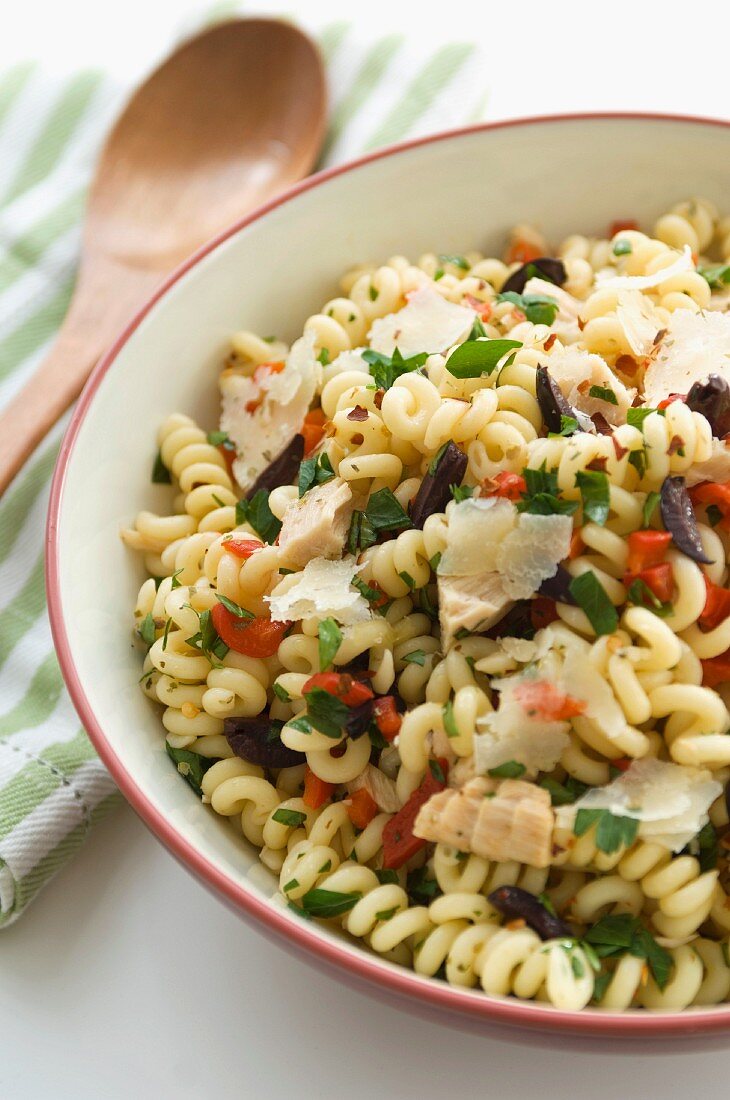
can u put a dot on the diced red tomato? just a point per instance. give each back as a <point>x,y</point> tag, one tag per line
<point>483,309</point>
<point>313,429</point>
<point>252,637</point>
<point>621,225</point>
<point>577,546</point>
<point>623,763</point>
<point>542,612</point>
<point>386,715</point>
<point>509,486</point>
<point>361,808</point>
<point>242,548</point>
<point>544,701</point>
<point>316,790</point>
<point>262,371</point>
<point>659,579</point>
<point>399,843</point>
<point>671,399</point>
<point>717,606</point>
<point>711,492</point>
<point>521,252</point>
<point>716,670</point>
<point>646,548</point>
<point>352,692</point>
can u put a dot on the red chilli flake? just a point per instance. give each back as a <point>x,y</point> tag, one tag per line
<point>675,444</point>
<point>598,464</point>
<point>378,398</point>
<point>601,425</point>
<point>358,413</point>
<point>550,341</point>
<point>618,448</point>
<point>357,439</point>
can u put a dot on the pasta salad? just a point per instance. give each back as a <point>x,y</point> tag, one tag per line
<point>439,617</point>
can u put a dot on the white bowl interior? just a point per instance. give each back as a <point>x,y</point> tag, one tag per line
<point>454,194</point>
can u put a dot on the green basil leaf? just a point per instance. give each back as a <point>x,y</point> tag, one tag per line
<point>258,515</point>
<point>636,417</point>
<point>603,393</point>
<point>621,934</point>
<point>234,608</point>
<point>613,831</point>
<point>511,769</point>
<point>477,357</point>
<point>717,275</point>
<point>385,513</point>
<point>281,693</point>
<point>641,595</point>
<point>325,712</point>
<point>590,595</point>
<point>386,369</point>
<point>293,818</point>
<point>714,515</point>
<point>461,492</point>
<point>595,494</point>
<point>563,794</point>
<point>160,473</point>
<point>330,637</point>
<point>190,765</point>
<point>539,309</point>
<point>420,888</point>
<point>328,903</point>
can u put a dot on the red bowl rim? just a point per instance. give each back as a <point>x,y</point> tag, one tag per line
<point>438,995</point>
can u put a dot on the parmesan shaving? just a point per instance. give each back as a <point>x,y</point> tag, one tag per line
<point>531,552</point>
<point>670,801</point>
<point>282,401</point>
<point>697,344</point>
<point>715,468</point>
<point>647,282</point>
<point>428,323</point>
<point>323,590</point>
<point>575,370</point>
<point>639,320</point>
<point>476,528</point>
<point>509,734</point>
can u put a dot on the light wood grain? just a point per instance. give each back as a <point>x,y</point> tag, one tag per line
<point>234,116</point>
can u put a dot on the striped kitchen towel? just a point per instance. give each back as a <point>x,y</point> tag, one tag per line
<point>383,88</point>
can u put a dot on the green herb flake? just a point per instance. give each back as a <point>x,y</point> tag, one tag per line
<point>190,765</point>
<point>386,369</point>
<point>612,831</point>
<point>474,358</point>
<point>328,903</point>
<point>434,463</point>
<point>386,914</point>
<point>452,730</point>
<point>603,393</point>
<point>563,794</point>
<point>420,888</point>
<point>387,877</point>
<point>546,902</point>
<point>330,638</point>
<point>160,473</point>
<point>147,629</point>
<point>258,515</point>
<point>636,417</point>
<point>436,771</point>
<point>539,309</point>
<point>361,534</point>
<point>234,608</point>
<point>291,818</point>
<point>652,499</point>
<point>407,579</point>
<point>220,439</point>
<point>456,261</point>
<point>595,495</point>
<point>541,494</point>
<point>714,515</point>
<point>622,248</point>
<point>372,595</point>
<point>590,595</point>
<point>511,769</point>
<point>639,594</point>
<point>415,657</point>
<point>384,513</point>
<point>291,885</point>
<point>477,329</point>
<point>568,426</point>
<point>314,471</point>
<point>461,492</point>
<point>717,275</point>
<point>621,933</point>
<point>324,357</point>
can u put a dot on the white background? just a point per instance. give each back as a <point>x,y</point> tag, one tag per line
<point>126,978</point>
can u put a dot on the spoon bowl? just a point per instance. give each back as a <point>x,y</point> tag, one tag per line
<point>234,116</point>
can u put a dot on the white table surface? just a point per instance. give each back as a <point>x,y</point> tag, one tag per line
<point>126,979</point>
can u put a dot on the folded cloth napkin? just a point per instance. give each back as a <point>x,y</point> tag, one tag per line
<point>383,89</point>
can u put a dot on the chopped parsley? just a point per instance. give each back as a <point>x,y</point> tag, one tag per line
<point>539,309</point>
<point>474,358</point>
<point>595,495</point>
<point>330,637</point>
<point>612,831</point>
<point>258,515</point>
<point>590,595</point>
<point>461,492</point>
<point>541,494</point>
<point>190,765</point>
<point>434,463</point>
<point>704,847</point>
<point>386,876</point>
<point>314,471</point>
<point>386,369</point>
<point>620,934</point>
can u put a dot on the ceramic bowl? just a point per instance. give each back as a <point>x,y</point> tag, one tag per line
<point>451,192</point>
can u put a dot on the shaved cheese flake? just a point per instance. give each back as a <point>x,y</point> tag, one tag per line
<point>347,360</point>
<point>583,681</point>
<point>639,320</point>
<point>520,649</point>
<point>575,370</point>
<point>531,552</point>
<point>476,528</point>
<point>509,734</point>
<point>715,468</point>
<point>670,801</point>
<point>323,590</point>
<point>697,344</point>
<point>647,282</point>
<point>282,401</point>
<point>428,323</point>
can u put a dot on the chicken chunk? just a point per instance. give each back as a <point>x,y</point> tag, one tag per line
<point>380,788</point>
<point>316,525</point>
<point>470,603</point>
<point>507,820</point>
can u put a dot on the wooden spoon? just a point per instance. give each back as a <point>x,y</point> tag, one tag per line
<point>235,115</point>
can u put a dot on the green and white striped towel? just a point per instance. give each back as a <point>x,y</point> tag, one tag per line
<point>383,89</point>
